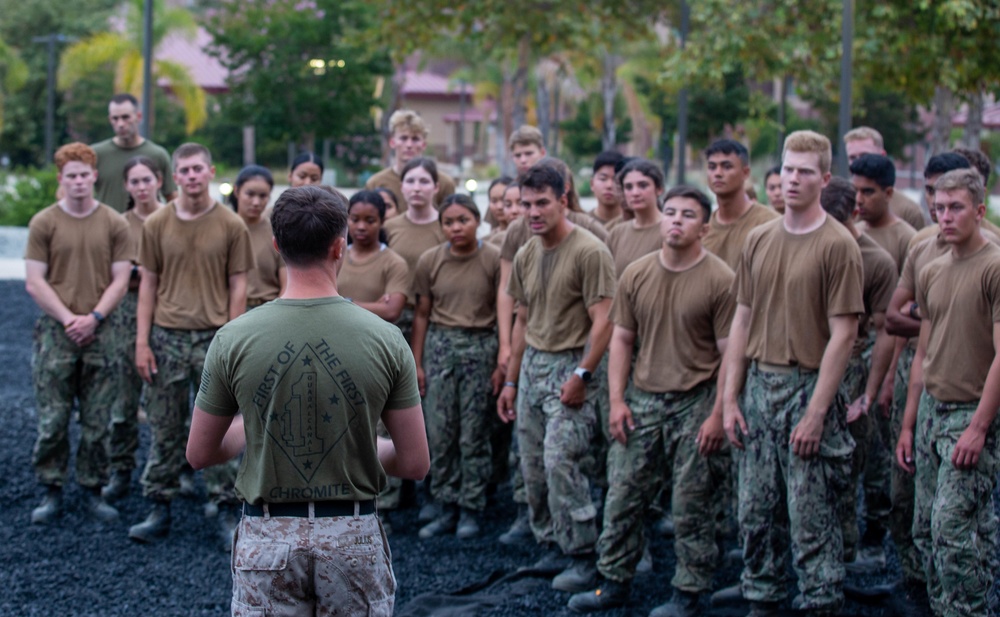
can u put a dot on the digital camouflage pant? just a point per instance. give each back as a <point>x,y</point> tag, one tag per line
<point>180,359</point>
<point>901,516</point>
<point>784,497</point>
<point>63,372</point>
<point>554,440</point>
<point>666,425</point>
<point>458,366</point>
<point>125,414</point>
<point>954,523</point>
<point>321,566</point>
<point>852,386</point>
<point>392,494</point>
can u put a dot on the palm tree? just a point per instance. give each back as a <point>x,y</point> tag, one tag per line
<point>124,49</point>
<point>13,73</point>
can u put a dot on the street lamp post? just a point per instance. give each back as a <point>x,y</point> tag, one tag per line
<point>50,41</point>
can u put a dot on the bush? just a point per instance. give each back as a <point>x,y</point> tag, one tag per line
<point>23,193</point>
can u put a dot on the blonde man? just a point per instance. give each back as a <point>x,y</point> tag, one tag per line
<point>407,140</point>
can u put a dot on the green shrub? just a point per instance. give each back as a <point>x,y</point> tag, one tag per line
<point>25,192</point>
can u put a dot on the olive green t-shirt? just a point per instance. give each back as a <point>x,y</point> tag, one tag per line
<point>312,378</point>
<point>793,284</point>
<point>880,278</point>
<point>111,159</point>
<point>726,240</point>
<point>518,232</point>
<point>263,282</point>
<point>78,252</point>
<point>678,318</point>
<point>558,285</point>
<point>894,238</point>
<point>410,241</point>
<point>961,299</point>
<point>908,210</point>
<point>367,281</point>
<point>389,179</point>
<point>194,260</point>
<point>463,290</point>
<point>628,243</point>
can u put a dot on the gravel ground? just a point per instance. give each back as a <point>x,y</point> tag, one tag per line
<point>81,568</point>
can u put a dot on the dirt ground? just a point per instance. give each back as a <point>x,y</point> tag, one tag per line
<point>80,568</point>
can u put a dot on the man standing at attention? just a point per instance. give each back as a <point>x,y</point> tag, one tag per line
<point>799,294</point>
<point>112,154</point>
<point>728,167</point>
<point>866,140</point>
<point>77,269</point>
<point>407,140</point>
<point>563,280</point>
<point>194,257</point>
<point>312,374</point>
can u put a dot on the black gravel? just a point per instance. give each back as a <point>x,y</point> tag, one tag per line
<point>79,567</point>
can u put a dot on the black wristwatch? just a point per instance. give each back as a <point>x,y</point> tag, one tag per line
<point>913,309</point>
<point>98,317</point>
<point>583,374</point>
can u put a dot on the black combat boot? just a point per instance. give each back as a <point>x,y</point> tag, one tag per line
<point>98,508</point>
<point>156,525</point>
<point>50,508</point>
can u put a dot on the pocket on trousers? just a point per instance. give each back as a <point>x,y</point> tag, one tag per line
<point>261,556</point>
<point>242,610</point>
<point>381,608</point>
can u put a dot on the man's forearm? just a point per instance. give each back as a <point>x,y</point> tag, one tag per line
<point>597,343</point>
<point>736,356</point>
<point>517,346</point>
<point>505,309</point>
<point>882,354</point>
<point>619,363</point>
<point>237,295</point>
<point>116,290</point>
<point>146,306</point>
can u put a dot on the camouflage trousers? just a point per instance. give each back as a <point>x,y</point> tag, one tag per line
<point>321,566</point>
<point>458,366</point>
<point>554,440</point>
<point>63,372</point>
<point>785,497</point>
<point>954,523</point>
<point>595,465</point>
<point>901,517</point>
<point>852,386</point>
<point>124,440</point>
<point>392,494</point>
<point>666,425</point>
<point>180,359</point>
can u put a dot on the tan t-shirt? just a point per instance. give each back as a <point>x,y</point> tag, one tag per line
<point>894,238</point>
<point>78,252</point>
<point>961,298</point>
<point>263,283</point>
<point>134,231</point>
<point>463,290</point>
<point>367,281</point>
<point>518,232</point>
<point>558,285</point>
<point>628,243</point>
<point>726,240</point>
<point>880,278</point>
<point>496,238</point>
<point>908,210</point>
<point>793,283</point>
<point>678,318</point>
<point>389,179</point>
<point>609,224</point>
<point>410,241</point>
<point>194,260</point>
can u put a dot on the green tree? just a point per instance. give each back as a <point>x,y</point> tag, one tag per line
<point>300,70</point>
<point>124,51</point>
<point>13,73</point>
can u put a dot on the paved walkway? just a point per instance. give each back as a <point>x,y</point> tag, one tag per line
<point>12,243</point>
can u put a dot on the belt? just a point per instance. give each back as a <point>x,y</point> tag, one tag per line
<point>780,369</point>
<point>321,509</point>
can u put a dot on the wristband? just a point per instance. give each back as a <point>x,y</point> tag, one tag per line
<point>913,307</point>
<point>512,384</point>
<point>97,316</point>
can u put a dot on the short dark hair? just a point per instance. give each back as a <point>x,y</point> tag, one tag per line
<point>774,171</point>
<point>690,192</point>
<point>246,174</point>
<point>728,146</point>
<point>306,157</point>
<point>838,198</point>
<point>191,149</point>
<point>541,176</point>
<point>876,167</point>
<point>463,200</point>
<point>306,221</point>
<point>367,196</point>
<point>644,166</point>
<point>125,97</point>
<point>427,164</point>
<point>945,162</point>
<point>504,180</point>
<point>979,161</point>
<point>608,158</point>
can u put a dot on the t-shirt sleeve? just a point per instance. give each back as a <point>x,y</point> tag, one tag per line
<point>215,394</point>
<point>122,243</point>
<point>993,285</point>
<point>515,286</point>
<point>845,281</point>
<point>241,257</point>
<point>622,307</point>
<point>920,290</point>
<point>743,284</point>
<point>724,307</point>
<point>908,278</point>
<point>513,241</point>
<point>39,237</point>
<point>446,187</point>
<point>598,276</point>
<point>397,275</point>
<point>885,284</point>
<point>149,248</point>
<point>422,274</point>
<point>404,392</point>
